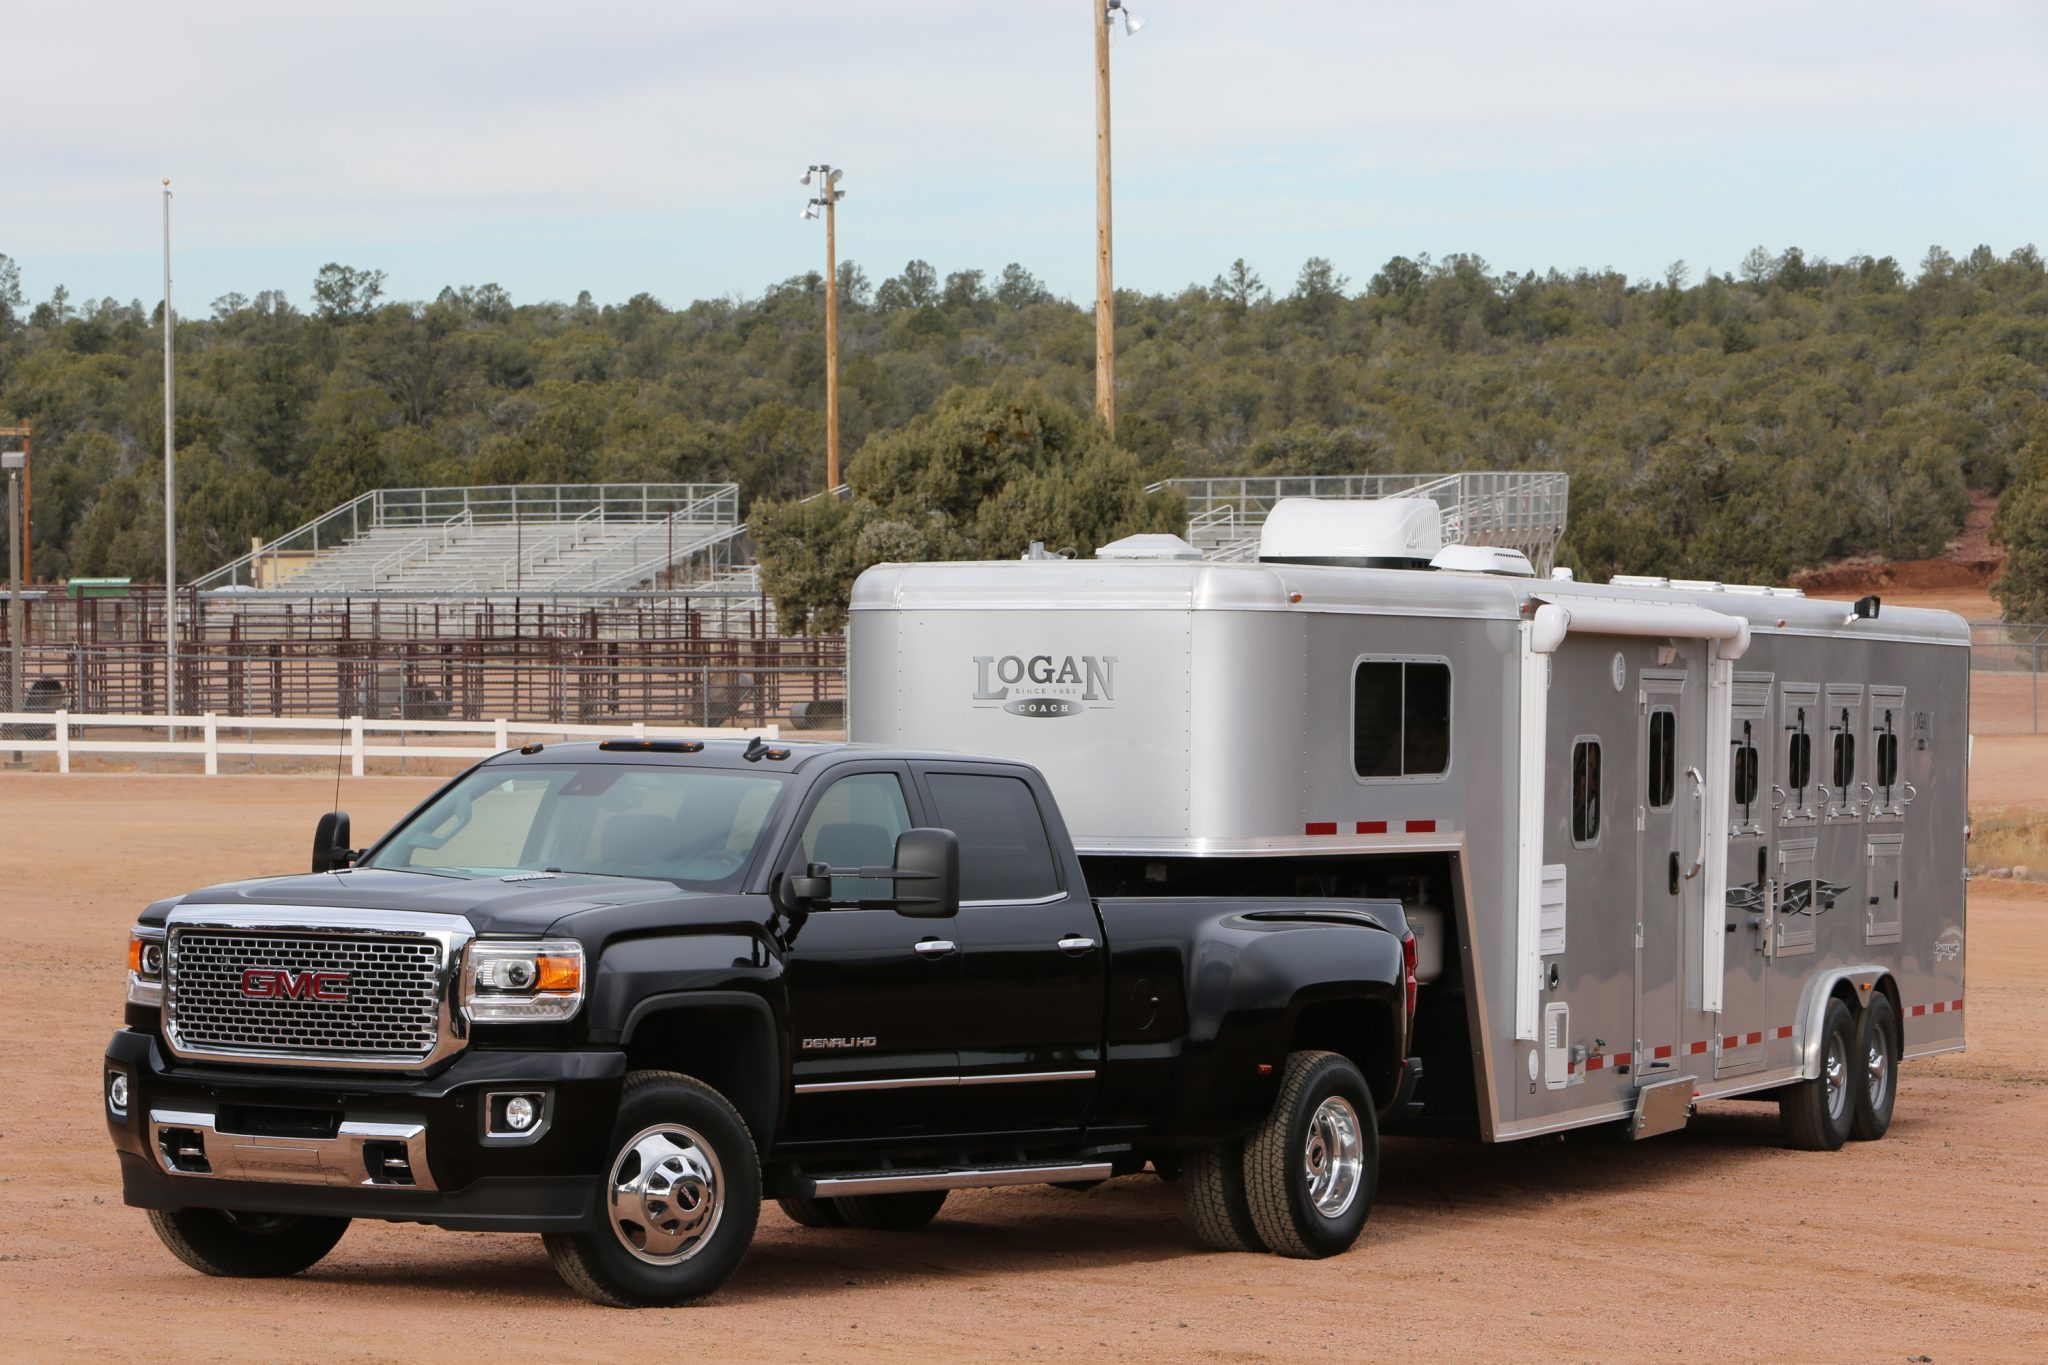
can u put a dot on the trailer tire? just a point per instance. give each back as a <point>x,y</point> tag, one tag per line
<point>1817,1114</point>
<point>1311,1169</point>
<point>1877,1078</point>
<point>905,1212</point>
<point>1213,1180</point>
<point>810,1211</point>
<point>246,1245</point>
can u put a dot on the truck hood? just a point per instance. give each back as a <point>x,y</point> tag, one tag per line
<point>493,905</point>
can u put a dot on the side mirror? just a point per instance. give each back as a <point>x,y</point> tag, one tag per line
<point>927,873</point>
<point>330,842</point>
<point>815,884</point>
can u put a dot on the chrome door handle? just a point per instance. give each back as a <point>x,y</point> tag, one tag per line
<point>932,947</point>
<point>1074,945</point>
<point>1910,790</point>
<point>1699,798</point>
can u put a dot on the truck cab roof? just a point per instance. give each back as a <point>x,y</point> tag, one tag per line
<point>742,755</point>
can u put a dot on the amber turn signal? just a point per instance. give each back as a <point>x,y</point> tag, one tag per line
<point>135,953</point>
<point>559,974</point>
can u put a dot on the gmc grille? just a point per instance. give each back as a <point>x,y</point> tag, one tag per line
<point>392,1008</point>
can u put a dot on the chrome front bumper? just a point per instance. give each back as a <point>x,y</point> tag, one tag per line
<point>361,1154</point>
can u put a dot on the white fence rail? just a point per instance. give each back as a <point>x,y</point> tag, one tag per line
<point>354,740</point>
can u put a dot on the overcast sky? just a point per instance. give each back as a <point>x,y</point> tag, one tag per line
<point>625,147</point>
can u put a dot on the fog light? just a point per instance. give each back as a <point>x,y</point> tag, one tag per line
<point>518,1113</point>
<point>117,1092</point>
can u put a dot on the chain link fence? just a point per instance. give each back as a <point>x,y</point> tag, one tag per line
<point>2006,662</point>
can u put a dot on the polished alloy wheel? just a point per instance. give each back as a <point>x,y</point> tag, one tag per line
<point>1334,1157</point>
<point>1877,1073</point>
<point>667,1194</point>
<point>1836,1070</point>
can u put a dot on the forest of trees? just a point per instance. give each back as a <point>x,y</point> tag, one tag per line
<point>1740,426</point>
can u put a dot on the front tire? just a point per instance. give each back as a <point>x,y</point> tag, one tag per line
<point>246,1246</point>
<point>1311,1169</point>
<point>678,1202</point>
<point>1818,1114</point>
<point>1877,1081</point>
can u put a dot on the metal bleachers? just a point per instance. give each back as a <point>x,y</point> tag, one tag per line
<point>533,538</point>
<point>1517,510</point>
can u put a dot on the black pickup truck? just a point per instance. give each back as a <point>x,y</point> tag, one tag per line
<point>619,993</point>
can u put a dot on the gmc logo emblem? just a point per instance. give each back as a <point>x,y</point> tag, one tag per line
<point>275,983</point>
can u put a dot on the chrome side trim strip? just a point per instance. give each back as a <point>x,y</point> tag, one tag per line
<point>340,1160</point>
<point>925,1082</point>
<point>989,1177</point>
<point>1014,1077</point>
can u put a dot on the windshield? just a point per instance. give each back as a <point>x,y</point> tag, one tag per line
<point>691,825</point>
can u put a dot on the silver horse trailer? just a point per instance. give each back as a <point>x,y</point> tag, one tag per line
<point>1662,841</point>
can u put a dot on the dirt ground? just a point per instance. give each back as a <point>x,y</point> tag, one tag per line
<point>1711,1243</point>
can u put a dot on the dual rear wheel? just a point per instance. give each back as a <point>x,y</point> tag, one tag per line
<point>1302,1183</point>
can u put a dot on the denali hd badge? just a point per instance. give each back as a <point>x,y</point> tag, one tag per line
<point>1043,686</point>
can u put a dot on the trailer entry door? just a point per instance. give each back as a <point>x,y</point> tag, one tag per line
<point>1670,848</point>
<point>1752,762</point>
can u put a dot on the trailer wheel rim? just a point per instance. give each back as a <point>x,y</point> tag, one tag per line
<point>1877,1073</point>
<point>1333,1157</point>
<point>1835,1070</point>
<point>666,1194</point>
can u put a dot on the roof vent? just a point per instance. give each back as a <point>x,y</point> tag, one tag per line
<point>1395,533</point>
<point>1148,547</point>
<point>1484,559</point>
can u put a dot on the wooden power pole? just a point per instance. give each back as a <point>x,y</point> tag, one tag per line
<point>827,198</point>
<point>1105,285</point>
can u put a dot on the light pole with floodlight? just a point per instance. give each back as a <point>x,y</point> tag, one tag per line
<point>827,198</point>
<point>14,461</point>
<point>1105,281</point>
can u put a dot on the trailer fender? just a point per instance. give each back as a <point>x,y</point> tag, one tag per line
<point>1853,984</point>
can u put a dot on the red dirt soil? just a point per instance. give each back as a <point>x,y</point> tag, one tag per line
<point>1715,1242</point>
<point>1958,581</point>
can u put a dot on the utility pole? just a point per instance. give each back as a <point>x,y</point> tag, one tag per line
<point>28,501</point>
<point>828,197</point>
<point>14,461</point>
<point>1105,275</point>
<point>170,489</point>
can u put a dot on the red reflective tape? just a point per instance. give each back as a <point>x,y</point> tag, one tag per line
<point>1732,1040</point>
<point>1595,1063</point>
<point>1372,827</point>
<point>1753,1039</point>
<point>1785,1031</point>
<point>1320,827</point>
<point>1421,826</point>
<point>1918,1010</point>
<point>1940,1006</point>
<point>1663,1050</point>
<point>1698,1048</point>
<point>1955,1005</point>
<point>1623,1058</point>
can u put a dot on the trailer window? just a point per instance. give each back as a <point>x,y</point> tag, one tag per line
<point>1845,756</point>
<point>1799,758</point>
<point>1004,852</point>
<point>1663,758</point>
<point>1400,718</point>
<point>1746,771</point>
<point>1586,792</point>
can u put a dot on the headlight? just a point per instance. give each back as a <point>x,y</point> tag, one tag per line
<point>512,982</point>
<point>145,966</point>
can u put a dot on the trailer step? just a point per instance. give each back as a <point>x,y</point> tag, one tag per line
<point>980,1177</point>
<point>1662,1106</point>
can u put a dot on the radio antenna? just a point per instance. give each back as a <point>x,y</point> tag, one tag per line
<point>340,751</point>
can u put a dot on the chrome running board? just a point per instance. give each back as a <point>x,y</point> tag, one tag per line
<point>901,1182</point>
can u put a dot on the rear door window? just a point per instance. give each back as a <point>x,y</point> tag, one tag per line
<point>1005,853</point>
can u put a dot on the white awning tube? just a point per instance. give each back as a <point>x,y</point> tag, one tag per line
<point>1554,620</point>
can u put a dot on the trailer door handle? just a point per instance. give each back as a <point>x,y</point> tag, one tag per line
<point>1073,945</point>
<point>1699,799</point>
<point>932,947</point>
